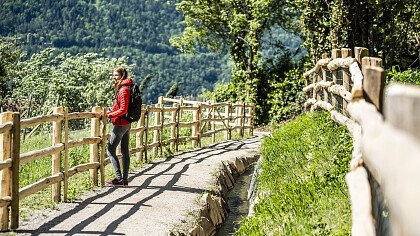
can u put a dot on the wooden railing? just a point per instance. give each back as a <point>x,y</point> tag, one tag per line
<point>202,120</point>
<point>385,127</point>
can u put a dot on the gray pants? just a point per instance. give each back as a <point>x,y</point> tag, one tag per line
<point>120,135</point>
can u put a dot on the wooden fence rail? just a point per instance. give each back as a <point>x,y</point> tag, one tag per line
<point>385,129</point>
<point>201,120</point>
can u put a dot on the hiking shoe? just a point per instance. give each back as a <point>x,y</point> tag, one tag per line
<point>125,182</point>
<point>115,182</point>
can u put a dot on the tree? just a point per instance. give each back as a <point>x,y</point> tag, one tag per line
<point>236,26</point>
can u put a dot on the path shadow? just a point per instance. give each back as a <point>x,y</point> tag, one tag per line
<point>200,154</point>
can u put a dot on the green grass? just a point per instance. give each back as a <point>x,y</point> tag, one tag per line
<point>303,180</point>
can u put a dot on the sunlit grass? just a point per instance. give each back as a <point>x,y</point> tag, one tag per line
<point>304,164</point>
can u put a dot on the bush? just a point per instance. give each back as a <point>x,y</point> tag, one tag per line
<point>410,76</point>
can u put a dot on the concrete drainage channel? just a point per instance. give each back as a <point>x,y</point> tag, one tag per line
<point>213,210</point>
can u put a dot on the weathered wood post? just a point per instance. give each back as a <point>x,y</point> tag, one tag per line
<point>373,85</point>
<point>402,110</point>
<point>14,205</point>
<point>162,122</point>
<point>146,130</point>
<point>359,53</point>
<point>56,157</point>
<point>213,121</point>
<point>140,134</point>
<point>251,120</point>
<point>5,154</point>
<point>66,153</point>
<point>324,78</point>
<point>178,119</point>
<point>156,123</point>
<point>94,150</point>
<point>104,142</point>
<point>227,119</point>
<point>346,52</point>
<point>335,53</point>
<point>194,128</point>
<point>173,127</point>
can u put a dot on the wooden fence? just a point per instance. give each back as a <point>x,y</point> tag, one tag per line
<point>385,126</point>
<point>202,120</point>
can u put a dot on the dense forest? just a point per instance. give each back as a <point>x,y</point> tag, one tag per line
<point>136,30</point>
<point>236,50</point>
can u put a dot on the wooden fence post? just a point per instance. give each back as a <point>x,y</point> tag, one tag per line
<point>94,150</point>
<point>103,147</point>
<point>5,154</point>
<point>213,122</point>
<point>156,123</point>
<point>324,78</point>
<point>373,85</point>
<point>251,120</point>
<point>345,52</point>
<point>146,130</point>
<point>336,53</point>
<point>173,127</point>
<point>162,121</point>
<point>195,128</point>
<point>139,135</point>
<point>359,53</point>
<point>66,153</point>
<point>402,108</point>
<point>227,119</point>
<point>178,119</point>
<point>14,205</point>
<point>56,158</point>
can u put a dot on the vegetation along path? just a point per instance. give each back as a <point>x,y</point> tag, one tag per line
<point>158,197</point>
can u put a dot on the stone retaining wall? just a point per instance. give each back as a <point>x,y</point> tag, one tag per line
<point>213,205</point>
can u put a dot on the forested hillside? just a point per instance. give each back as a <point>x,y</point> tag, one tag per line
<point>136,29</point>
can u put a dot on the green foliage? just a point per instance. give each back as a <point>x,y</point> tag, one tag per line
<point>286,98</point>
<point>137,30</point>
<point>78,82</point>
<point>410,76</point>
<point>303,180</point>
<point>388,28</point>
<point>235,26</point>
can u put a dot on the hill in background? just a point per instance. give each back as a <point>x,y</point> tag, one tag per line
<point>136,29</point>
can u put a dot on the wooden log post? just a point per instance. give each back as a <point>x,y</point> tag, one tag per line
<point>324,78</point>
<point>402,108</point>
<point>373,86</point>
<point>156,123</point>
<point>346,82</point>
<point>335,53</point>
<point>227,119</point>
<point>241,113</point>
<point>56,158</point>
<point>94,148</point>
<point>104,142</point>
<point>140,135</point>
<point>178,119</point>
<point>195,128</point>
<point>146,132</point>
<point>66,154</point>
<point>5,154</point>
<point>173,127</point>
<point>162,122</point>
<point>359,53</point>
<point>251,120</point>
<point>14,206</point>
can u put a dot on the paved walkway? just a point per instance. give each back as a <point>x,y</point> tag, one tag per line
<point>158,196</point>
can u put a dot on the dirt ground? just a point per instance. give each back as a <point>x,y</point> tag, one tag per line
<point>159,196</point>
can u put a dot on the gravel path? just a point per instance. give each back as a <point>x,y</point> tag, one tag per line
<point>159,196</point>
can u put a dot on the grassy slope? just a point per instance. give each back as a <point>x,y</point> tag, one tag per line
<point>303,177</point>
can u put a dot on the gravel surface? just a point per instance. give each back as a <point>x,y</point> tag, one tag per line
<point>158,197</point>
